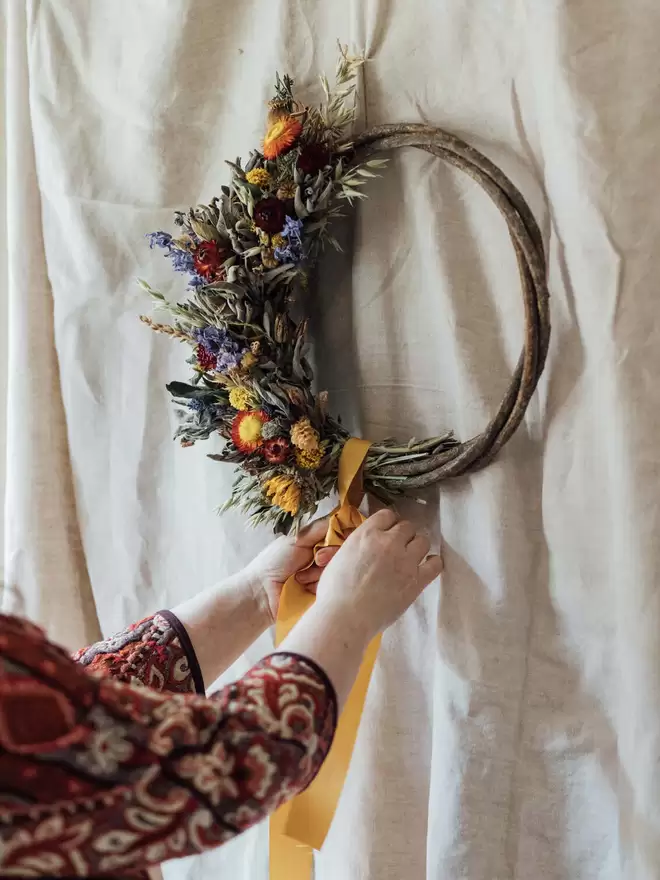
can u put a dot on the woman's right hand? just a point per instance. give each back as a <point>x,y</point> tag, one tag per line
<point>378,572</point>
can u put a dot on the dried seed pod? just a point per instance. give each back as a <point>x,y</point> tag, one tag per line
<point>281,334</point>
<point>268,258</point>
<point>286,191</point>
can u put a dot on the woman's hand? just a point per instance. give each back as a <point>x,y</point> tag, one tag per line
<point>287,555</point>
<point>223,620</point>
<point>379,571</point>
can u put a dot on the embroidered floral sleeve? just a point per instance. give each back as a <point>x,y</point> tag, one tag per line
<point>155,652</point>
<point>103,777</point>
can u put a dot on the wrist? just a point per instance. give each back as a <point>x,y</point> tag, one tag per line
<point>222,622</point>
<point>252,596</point>
<point>354,627</point>
<point>335,638</point>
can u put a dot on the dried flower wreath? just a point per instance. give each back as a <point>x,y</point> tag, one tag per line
<point>247,255</point>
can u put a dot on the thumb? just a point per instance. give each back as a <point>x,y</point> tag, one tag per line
<point>324,555</point>
<point>313,533</point>
<point>430,569</point>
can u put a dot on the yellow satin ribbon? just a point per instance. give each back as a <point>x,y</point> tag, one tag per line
<point>301,826</point>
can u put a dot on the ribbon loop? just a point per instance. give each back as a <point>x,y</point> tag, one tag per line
<point>302,825</point>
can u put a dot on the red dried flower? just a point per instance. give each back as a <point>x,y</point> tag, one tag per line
<point>208,258</point>
<point>312,158</point>
<point>269,215</point>
<point>276,450</point>
<point>206,359</point>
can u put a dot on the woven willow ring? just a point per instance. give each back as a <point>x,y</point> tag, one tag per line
<point>247,256</point>
<point>528,245</point>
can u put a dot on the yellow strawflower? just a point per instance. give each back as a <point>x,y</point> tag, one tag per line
<point>241,398</point>
<point>248,360</point>
<point>284,493</point>
<point>309,461</point>
<point>259,177</point>
<point>278,241</point>
<point>304,436</point>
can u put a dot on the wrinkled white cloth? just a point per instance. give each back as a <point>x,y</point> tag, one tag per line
<point>512,729</point>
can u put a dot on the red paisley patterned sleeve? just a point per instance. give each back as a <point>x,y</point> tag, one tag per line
<point>155,652</point>
<point>103,777</point>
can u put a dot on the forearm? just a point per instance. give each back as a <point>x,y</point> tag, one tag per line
<point>222,622</point>
<point>335,640</point>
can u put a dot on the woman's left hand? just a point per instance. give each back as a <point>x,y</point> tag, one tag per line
<point>287,555</point>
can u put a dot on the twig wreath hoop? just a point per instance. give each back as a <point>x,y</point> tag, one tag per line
<point>248,255</point>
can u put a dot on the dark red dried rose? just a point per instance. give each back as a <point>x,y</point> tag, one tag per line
<point>208,258</point>
<point>276,450</point>
<point>269,215</point>
<point>206,359</point>
<point>312,158</point>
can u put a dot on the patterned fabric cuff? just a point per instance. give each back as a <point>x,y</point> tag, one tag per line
<point>155,652</point>
<point>323,675</point>
<point>187,645</point>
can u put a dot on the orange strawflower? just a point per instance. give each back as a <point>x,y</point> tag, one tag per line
<point>246,430</point>
<point>282,133</point>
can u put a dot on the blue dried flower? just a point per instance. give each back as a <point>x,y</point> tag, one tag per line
<point>204,409</point>
<point>182,258</point>
<point>292,228</point>
<point>182,261</point>
<point>294,252</point>
<point>212,338</point>
<point>229,352</point>
<point>288,254</point>
<point>230,358</point>
<point>159,239</point>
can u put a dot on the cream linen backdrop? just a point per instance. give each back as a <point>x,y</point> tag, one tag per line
<point>512,728</point>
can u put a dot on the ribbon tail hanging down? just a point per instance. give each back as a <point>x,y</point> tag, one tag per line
<point>301,826</point>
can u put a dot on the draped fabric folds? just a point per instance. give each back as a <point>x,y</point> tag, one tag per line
<point>512,723</point>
